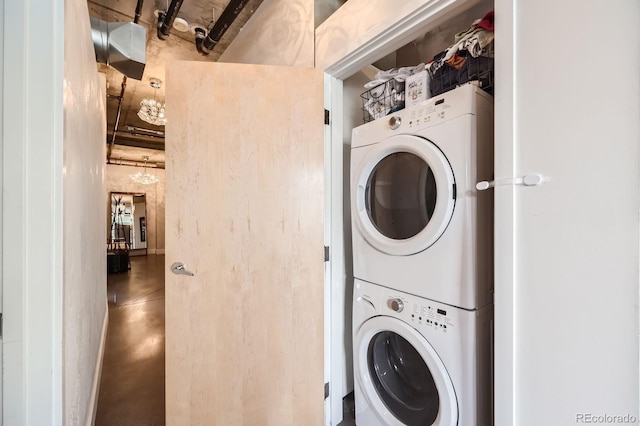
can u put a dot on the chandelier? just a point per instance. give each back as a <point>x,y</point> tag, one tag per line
<point>151,110</point>
<point>144,177</point>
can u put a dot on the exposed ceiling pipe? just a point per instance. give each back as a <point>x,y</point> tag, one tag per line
<point>206,42</point>
<point>136,17</point>
<point>139,134</point>
<point>165,20</point>
<point>123,86</point>
<point>133,163</point>
<point>118,113</point>
<point>145,132</point>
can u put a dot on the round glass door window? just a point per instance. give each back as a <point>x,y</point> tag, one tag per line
<point>402,379</point>
<point>401,195</point>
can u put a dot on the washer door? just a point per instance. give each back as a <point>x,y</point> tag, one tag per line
<point>401,375</point>
<point>404,195</point>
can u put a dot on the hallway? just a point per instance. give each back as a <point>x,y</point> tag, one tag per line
<point>132,383</point>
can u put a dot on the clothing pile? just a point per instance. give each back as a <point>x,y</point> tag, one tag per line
<point>385,94</point>
<point>469,58</point>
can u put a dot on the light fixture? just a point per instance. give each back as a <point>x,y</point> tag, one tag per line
<point>144,177</point>
<point>181,24</point>
<point>151,110</point>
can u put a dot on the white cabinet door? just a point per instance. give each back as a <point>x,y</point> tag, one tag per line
<point>574,253</point>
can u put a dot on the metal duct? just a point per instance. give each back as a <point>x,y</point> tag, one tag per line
<point>165,20</point>
<point>121,45</point>
<point>205,44</point>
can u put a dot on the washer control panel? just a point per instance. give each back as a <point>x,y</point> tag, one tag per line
<point>431,316</point>
<point>421,313</point>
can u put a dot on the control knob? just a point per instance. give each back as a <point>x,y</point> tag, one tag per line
<point>396,304</point>
<point>394,122</point>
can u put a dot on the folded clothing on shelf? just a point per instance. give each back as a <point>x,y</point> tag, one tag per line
<point>469,58</point>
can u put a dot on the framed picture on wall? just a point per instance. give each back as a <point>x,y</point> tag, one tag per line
<point>143,229</point>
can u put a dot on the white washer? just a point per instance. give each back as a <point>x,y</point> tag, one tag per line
<point>419,224</point>
<point>419,362</point>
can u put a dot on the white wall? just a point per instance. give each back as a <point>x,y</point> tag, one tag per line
<point>572,292</point>
<point>280,32</point>
<point>85,270</point>
<point>118,180</point>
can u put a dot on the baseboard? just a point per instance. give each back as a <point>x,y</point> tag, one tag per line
<point>93,402</point>
<point>159,251</point>
<point>151,251</point>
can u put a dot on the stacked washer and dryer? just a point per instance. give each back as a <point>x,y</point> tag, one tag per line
<point>423,263</point>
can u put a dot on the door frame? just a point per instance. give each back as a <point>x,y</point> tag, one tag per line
<point>401,29</point>
<point>1,200</point>
<point>32,239</point>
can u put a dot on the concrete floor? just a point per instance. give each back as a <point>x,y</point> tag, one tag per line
<point>132,383</point>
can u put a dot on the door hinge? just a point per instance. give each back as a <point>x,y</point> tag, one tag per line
<point>326,390</point>
<point>1,325</point>
<point>326,116</point>
<point>326,253</point>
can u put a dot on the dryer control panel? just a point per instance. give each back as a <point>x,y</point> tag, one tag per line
<point>429,114</point>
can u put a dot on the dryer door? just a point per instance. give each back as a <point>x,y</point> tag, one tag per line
<point>404,195</point>
<point>402,377</point>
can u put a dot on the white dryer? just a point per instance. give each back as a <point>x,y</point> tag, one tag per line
<point>419,224</point>
<point>419,362</point>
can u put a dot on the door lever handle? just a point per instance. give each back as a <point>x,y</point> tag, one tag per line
<point>526,180</point>
<point>178,268</point>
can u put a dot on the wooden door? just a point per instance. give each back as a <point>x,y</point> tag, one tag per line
<point>244,213</point>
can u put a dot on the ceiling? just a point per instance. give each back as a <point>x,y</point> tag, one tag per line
<point>135,138</point>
